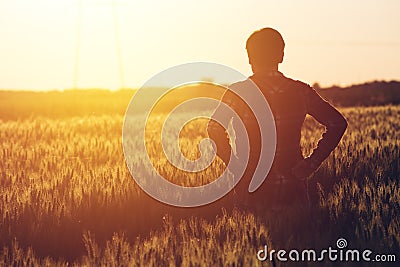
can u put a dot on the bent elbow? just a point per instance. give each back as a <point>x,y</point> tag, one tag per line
<point>339,126</point>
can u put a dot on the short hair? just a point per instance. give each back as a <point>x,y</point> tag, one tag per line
<point>265,46</point>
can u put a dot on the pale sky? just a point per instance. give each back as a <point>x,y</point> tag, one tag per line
<point>330,42</point>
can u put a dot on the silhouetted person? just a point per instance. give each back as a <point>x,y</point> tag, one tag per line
<point>290,102</point>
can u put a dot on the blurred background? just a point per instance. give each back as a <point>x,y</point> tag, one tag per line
<point>114,44</point>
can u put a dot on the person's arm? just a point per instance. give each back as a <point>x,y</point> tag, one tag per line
<point>217,132</point>
<point>335,125</point>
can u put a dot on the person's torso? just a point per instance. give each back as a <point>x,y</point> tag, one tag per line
<point>287,103</point>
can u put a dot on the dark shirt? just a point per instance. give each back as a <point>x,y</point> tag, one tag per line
<point>290,101</point>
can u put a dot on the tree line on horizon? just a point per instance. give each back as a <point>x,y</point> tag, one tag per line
<point>77,102</point>
<point>376,93</point>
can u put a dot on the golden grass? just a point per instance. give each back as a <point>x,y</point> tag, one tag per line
<point>67,198</point>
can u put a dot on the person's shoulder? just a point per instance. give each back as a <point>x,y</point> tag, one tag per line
<point>241,84</point>
<point>299,85</point>
<point>240,87</point>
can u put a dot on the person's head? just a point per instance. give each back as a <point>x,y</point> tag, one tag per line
<point>265,49</point>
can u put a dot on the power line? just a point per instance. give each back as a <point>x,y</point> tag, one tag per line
<point>118,44</point>
<point>78,44</point>
<point>116,39</point>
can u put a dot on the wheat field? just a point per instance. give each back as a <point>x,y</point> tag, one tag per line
<point>67,197</point>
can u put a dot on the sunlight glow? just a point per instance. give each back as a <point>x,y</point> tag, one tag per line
<point>123,43</point>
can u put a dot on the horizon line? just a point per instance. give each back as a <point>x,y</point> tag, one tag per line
<point>136,88</point>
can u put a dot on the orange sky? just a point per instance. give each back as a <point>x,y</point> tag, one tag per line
<point>335,42</point>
